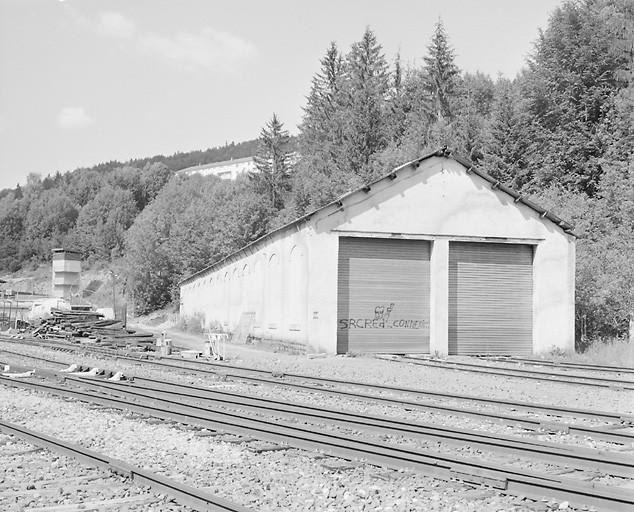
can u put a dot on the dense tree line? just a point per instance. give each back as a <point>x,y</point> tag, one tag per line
<point>193,221</point>
<point>90,208</point>
<point>562,132</point>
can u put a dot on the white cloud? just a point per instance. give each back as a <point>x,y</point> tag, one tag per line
<point>115,24</point>
<point>74,117</point>
<point>208,49</point>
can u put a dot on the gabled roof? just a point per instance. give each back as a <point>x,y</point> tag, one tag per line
<point>566,227</point>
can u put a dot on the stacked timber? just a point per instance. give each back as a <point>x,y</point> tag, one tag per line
<point>91,327</point>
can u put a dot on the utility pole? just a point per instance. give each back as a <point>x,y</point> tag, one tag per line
<point>114,297</point>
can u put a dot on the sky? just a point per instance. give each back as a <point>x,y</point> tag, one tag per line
<point>89,81</point>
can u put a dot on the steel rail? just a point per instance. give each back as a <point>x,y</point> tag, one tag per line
<point>559,364</point>
<point>597,381</point>
<point>601,382</point>
<point>29,356</point>
<point>547,409</point>
<point>185,494</point>
<point>605,434</point>
<point>56,344</point>
<point>524,374</point>
<point>510,481</point>
<point>527,406</point>
<point>581,458</point>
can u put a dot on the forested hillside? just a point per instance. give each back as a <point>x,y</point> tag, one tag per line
<point>562,131</point>
<point>89,208</point>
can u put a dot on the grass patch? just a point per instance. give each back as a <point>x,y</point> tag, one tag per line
<point>615,352</point>
<point>611,352</point>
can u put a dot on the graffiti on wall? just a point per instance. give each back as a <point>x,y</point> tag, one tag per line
<point>382,320</point>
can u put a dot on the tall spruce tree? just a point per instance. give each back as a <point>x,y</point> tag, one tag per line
<point>506,154</point>
<point>273,163</point>
<point>367,88</point>
<point>321,130</point>
<point>344,124</point>
<point>441,72</point>
<point>321,170</point>
<point>396,106</point>
<point>323,100</point>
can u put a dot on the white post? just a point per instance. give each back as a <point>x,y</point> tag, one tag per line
<point>439,298</point>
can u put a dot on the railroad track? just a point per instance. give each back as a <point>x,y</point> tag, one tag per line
<point>565,365</point>
<point>562,378</point>
<point>441,465</point>
<point>36,479</point>
<point>516,482</point>
<point>612,432</point>
<point>613,464</point>
<point>191,497</point>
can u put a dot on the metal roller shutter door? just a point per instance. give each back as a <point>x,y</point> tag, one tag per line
<point>490,298</point>
<point>383,295</point>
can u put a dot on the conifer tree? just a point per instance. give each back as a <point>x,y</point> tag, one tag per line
<point>324,97</point>
<point>441,72</point>
<point>397,109</point>
<point>321,130</point>
<point>321,172</point>
<point>345,124</point>
<point>273,163</point>
<point>367,88</point>
<point>508,147</point>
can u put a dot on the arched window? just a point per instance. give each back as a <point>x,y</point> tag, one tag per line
<point>258,292</point>
<point>274,293</point>
<point>296,289</point>
<point>245,289</point>
<point>235,288</point>
<point>226,287</point>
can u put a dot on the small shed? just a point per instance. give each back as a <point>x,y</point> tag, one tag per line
<point>434,257</point>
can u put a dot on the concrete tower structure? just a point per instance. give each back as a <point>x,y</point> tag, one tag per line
<point>66,272</point>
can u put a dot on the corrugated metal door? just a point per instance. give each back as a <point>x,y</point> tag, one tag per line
<point>490,298</point>
<point>383,295</point>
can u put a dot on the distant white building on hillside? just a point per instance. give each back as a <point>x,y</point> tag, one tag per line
<point>227,170</point>
<point>230,169</point>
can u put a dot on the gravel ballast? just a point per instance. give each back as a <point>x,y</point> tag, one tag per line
<point>275,480</point>
<point>293,479</point>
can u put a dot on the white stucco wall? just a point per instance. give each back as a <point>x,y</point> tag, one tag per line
<point>264,291</point>
<point>440,202</point>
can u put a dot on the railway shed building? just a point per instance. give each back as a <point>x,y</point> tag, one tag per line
<point>434,257</point>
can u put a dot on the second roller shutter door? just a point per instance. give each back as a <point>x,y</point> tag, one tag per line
<point>490,298</point>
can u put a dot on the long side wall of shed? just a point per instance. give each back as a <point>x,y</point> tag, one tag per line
<point>263,294</point>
